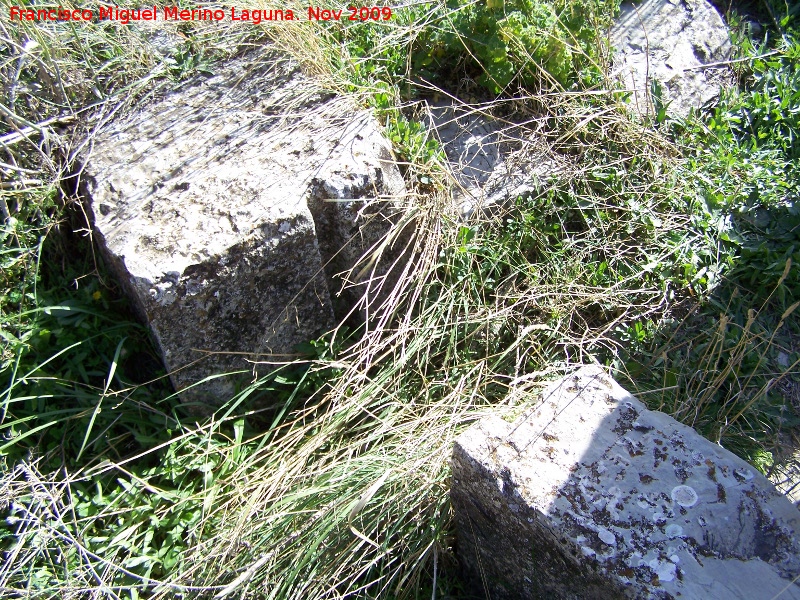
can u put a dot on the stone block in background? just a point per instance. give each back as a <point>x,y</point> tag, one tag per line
<point>590,495</point>
<point>491,160</point>
<point>207,206</point>
<point>670,41</point>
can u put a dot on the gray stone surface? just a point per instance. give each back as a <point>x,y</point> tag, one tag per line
<point>670,41</point>
<point>213,207</point>
<point>591,495</point>
<point>491,159</point>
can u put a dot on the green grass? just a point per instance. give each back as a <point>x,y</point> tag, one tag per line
<point>724,367</point>
<point>667,250</point>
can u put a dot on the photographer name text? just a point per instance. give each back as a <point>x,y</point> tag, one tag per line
<point>176,13</point>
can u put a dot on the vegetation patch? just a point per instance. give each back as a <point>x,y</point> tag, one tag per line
<point>728,366</point>
<point>667,250</point>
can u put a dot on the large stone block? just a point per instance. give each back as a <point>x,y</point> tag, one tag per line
<point>677,43</point>
<point>209,205</point>
<point>590,495</point>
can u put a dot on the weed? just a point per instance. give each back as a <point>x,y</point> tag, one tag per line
<point>535,45</point>
<point>718,369</point>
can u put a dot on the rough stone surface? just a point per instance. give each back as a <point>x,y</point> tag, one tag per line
<point>491,159</point>
<point>670,41</point>
<point>213,207</point>
<point>591,495</point>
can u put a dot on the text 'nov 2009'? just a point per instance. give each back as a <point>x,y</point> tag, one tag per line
<point>176,13</point>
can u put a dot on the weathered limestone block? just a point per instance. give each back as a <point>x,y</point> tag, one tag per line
<point>206,205</point>
<point>591,495</point>
<point>670,41</point>
<point>348,227</point>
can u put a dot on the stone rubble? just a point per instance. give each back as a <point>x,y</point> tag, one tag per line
<point>491,160</point>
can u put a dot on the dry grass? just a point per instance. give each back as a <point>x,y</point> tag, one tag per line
<point>346,494</point>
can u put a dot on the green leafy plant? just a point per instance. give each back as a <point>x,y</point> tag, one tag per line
<point>717,368</point>
<point>534,44</point>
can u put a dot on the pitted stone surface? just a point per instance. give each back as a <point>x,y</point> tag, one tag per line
<point>591,495</point>
<point>670,41</point>
<point>205,204</point>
